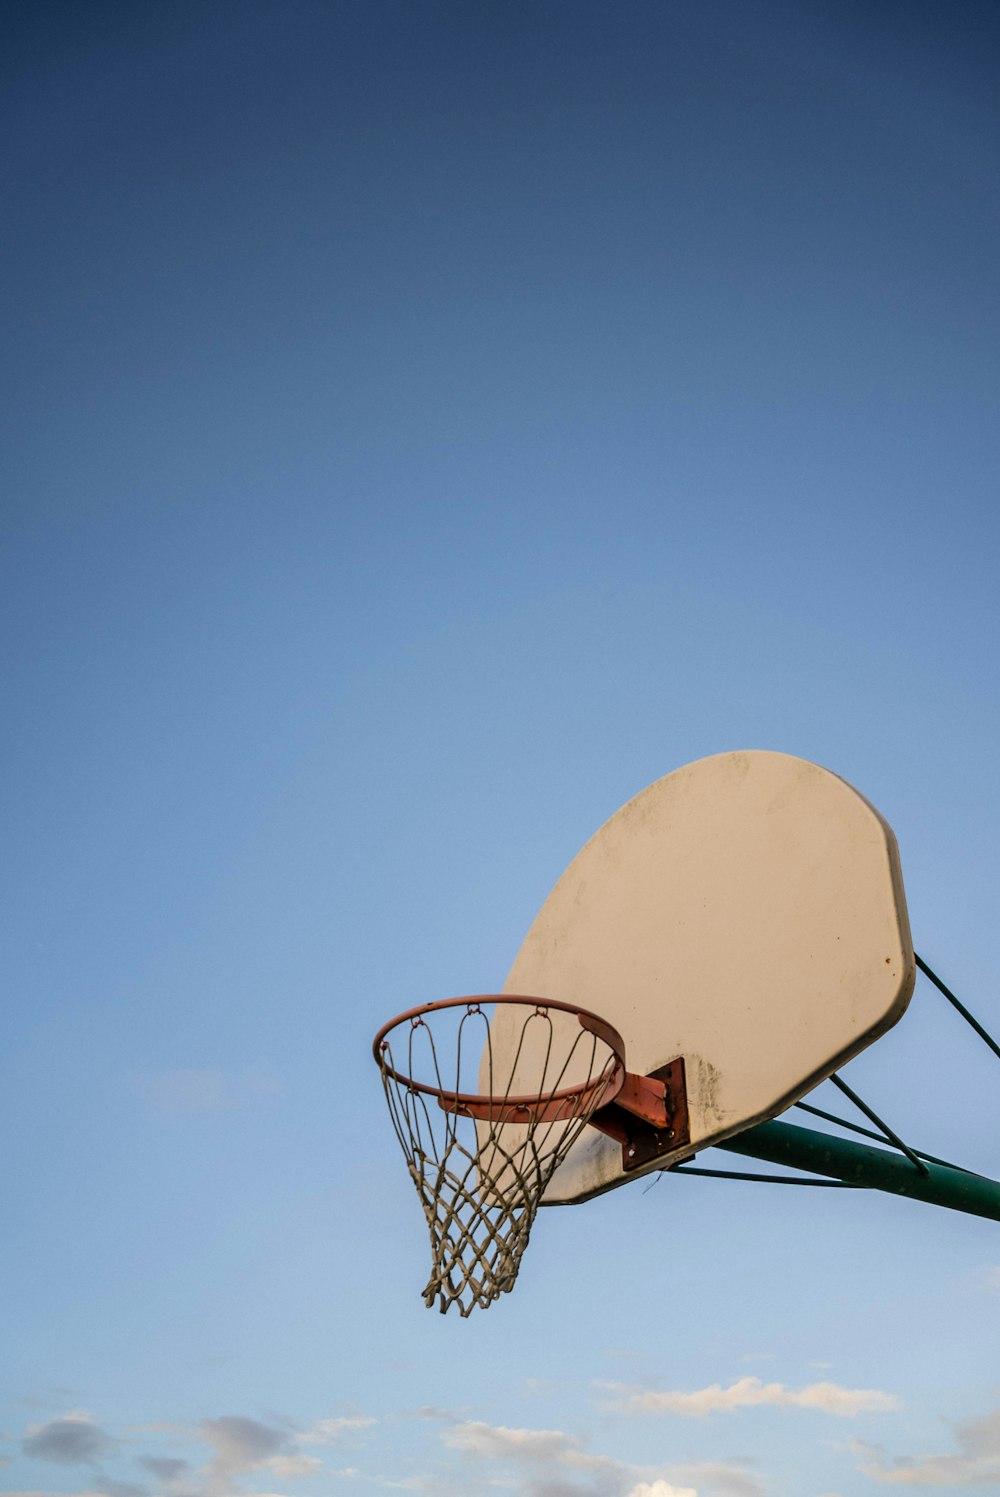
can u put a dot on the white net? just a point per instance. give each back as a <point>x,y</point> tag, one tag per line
<point>484,1127</point>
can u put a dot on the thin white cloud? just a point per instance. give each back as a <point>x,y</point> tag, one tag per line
<point>478,1438</point>
<point>184,1091</point>
<point>751,1392</point>
<point>329,1431</point>
<point>291,1467</point>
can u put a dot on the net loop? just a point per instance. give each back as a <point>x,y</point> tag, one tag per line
<point>484,1131</point>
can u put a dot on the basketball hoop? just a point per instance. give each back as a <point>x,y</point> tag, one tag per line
<point>482,1141</point>
<point>746,896</point>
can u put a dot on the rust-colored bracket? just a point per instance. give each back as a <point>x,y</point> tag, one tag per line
<point>649,1116</point>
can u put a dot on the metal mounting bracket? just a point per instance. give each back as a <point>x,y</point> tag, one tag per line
<point>649,1116</point>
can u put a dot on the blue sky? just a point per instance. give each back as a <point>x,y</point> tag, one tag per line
<point>425,425</point>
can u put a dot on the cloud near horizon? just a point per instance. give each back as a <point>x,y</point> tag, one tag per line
<point>550,1458</point>
<point>751,1392</point>
<point>238,1446</point>
<point>73,1439</point>
<point>976,1463</point>
<point>329,1431</point>
<point>661,1489</point>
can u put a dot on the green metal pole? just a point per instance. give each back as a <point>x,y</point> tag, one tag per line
<point>860,1164</point>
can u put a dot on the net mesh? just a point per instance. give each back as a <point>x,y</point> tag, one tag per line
<point>480,1170</point>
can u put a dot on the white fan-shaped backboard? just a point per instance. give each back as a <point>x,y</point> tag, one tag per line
<point>745,912</point>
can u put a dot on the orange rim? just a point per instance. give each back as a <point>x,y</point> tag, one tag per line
<point>608,1084</point>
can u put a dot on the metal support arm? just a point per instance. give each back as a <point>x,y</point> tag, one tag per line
<point>860,1164</point>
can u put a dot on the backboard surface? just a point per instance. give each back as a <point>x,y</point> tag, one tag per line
<point>745,912</point>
